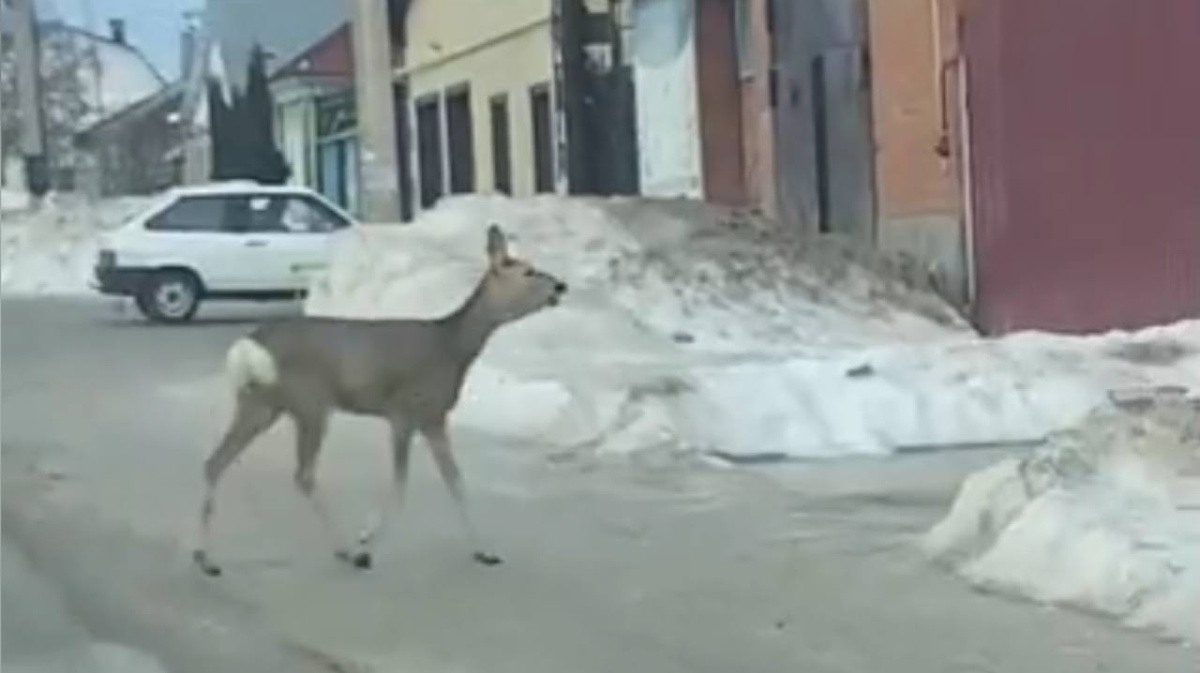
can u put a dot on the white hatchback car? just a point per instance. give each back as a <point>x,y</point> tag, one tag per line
<point>229,240</point>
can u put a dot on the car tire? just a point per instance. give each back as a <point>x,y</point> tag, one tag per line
<point>170,296</point>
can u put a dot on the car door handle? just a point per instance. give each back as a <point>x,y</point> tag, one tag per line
<point>256,243</point>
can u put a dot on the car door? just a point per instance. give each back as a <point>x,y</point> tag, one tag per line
<point>310,227</point>
<point>267,247</point>
<point>288,238</point>
<point>195,232</point>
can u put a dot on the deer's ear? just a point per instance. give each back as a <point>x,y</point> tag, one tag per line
<point>497,244</point>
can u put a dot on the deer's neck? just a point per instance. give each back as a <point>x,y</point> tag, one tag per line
<point>471,325</point>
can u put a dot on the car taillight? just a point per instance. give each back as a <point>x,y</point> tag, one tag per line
<point>107,259</point>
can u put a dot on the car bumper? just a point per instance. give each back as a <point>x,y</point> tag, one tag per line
<point>119,280</point>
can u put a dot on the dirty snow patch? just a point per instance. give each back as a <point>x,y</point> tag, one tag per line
<point>12,200</point>
<point>51,250</point>
<point>1105,517</point>
<point>689,327</point>
<point>674,270</point>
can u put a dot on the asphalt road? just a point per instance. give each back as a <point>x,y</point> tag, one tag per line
<point>652,564</point>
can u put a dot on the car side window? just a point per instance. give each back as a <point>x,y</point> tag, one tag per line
<point>305,215</point>
<point>191,214</point>
<point>265,214</point>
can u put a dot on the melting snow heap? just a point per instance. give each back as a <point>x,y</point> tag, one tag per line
<point>698,329</point>
<point>668,300</point>
<point>1104,517</point>
<point>51,250</point>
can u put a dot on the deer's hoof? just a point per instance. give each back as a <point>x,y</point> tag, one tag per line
<point>484,558</point>
<point>206,566</point>
<point>360,560</point>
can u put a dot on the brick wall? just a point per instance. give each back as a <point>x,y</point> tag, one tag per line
<point>720,106</point>
<point>758,132</point>
<point>912,178</point>
<point>913,45</point>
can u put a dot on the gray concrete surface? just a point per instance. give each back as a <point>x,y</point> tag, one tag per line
<point>651,564</point>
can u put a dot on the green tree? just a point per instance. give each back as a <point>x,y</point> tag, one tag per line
<point>243,133</point>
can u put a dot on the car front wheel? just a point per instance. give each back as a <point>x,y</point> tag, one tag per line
<point>170,296</point>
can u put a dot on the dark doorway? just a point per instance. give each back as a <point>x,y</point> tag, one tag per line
<point>429,149</point>
<point>543,139</point>
<point>403,143</point>
<point>460,140</point>
<point>820,97</point>
<point>822,117</point>
<point>598,154</point>
<point>501,151</point>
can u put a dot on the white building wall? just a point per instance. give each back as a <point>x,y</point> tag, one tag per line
<point>668,114</point>
<point>296,140</point>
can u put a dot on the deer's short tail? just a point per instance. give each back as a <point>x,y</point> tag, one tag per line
<point>249,364</point>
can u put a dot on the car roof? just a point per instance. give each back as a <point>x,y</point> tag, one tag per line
<point>239,187</point>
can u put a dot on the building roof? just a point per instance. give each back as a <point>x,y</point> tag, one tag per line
<point>237,25</point>
<point>330,57</point>
<point>130,49</point>
<point>169,97</point>
<point>118,75</point>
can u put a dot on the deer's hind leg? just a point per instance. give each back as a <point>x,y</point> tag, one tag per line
<point>311,424</point>
<point>255,413</point>
<point>380,520</point>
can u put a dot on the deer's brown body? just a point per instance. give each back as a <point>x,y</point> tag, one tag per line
<point>351,365</point>
<point>408,372</point>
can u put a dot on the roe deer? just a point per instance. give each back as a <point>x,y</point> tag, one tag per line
<point>408,372</point>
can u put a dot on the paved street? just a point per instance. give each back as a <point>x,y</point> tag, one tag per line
<point>645,565</point>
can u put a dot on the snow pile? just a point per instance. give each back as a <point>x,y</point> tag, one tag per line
<point>1106,516</point>
<point>689,328</point>
<point>12,200</point>
<point>674,270</point>
<point>51,250</point>
<point>951,392</point>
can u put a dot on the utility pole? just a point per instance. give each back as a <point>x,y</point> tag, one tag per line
<point>379,181</point>
<point>29,98</point>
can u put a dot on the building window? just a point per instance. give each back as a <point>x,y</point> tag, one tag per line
<point>335,124</point>
<point>742,38</point>
<point>501,151</point>
<point>429,149</point>
<point>336,114</point>
<point>333,168</point>
<point>460,140</point>
<point>543,139</point>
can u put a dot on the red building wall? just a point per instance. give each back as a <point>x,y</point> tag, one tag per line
<point>720,103</point>
<point>1084,126</point>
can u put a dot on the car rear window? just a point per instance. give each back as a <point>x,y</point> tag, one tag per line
<point>194,213</point>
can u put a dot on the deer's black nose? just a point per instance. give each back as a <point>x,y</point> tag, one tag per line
<point>560,287</point>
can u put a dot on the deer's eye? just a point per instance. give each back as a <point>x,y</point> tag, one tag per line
<point>530,273</point>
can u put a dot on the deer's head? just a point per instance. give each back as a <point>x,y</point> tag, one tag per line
<point>512,287</point>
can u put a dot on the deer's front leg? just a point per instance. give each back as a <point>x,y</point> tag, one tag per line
<point>439,445</point>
